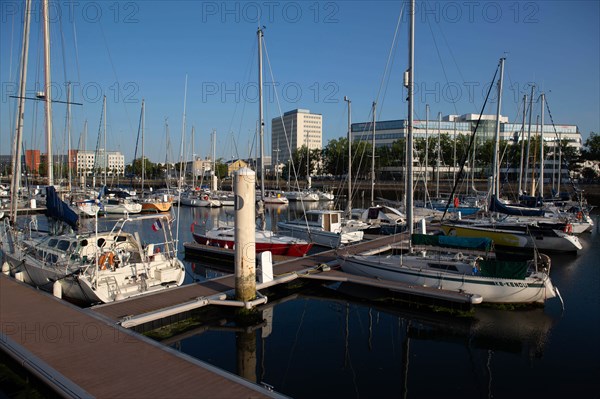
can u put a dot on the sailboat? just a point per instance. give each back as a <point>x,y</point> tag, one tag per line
<point>491,280</point>
<point>91,267</point>
<point>513,233</point>
<point>266,240</point>
<point>378,219</point>
<point>153,202</point>
<point>328,228</point>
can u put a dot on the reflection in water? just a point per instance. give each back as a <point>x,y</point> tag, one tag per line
<point>246,354</point>
<point>321,338</point>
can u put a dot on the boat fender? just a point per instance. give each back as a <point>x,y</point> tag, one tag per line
<point>205,197</point>
<point>579,215</point>
<point>568,228</point>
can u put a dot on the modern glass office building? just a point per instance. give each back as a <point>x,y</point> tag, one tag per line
<point>386,132</point>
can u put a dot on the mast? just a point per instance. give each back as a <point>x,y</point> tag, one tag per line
<point>409,83</point>
<point>520,190</point>
<point>181,157</point>
<point>193,161</point>
<point>529,138</point>
<point>426,153</point>
<point>496,163</point>
<point>105,148</point>
<point>454,155</point>
<point>69,160</point>
<point>104,123</point>
<point>349,202</point>
<point>373,157</point>
<point>259,34</point>
<point>308,180</point>
<point>559,162</point>
<point>168,145</point>
<point>18,139</point>
<point>541,178</point>
<point>83,171</point>
<point>537,121</point>
<point>213,183</point>
<point>277,165</point>
<point>439,156</point>
<point>181,161</point>
<point>48,91</point>
<point>143,159</point>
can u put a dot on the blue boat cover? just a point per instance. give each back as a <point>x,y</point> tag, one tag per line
<point>58,209</point>
<point>497,206</point>
<point>479,243</point>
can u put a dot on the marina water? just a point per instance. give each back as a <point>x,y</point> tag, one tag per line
<point>325,342</point>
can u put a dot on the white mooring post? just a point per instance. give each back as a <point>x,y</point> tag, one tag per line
<point>244,183</point>
<point>266,267</point>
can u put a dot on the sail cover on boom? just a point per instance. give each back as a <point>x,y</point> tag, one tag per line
<point>58,209</point>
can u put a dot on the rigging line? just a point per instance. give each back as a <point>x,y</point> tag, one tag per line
<point>560,150</point>
<point>64,157</point>
<point>287,140</point>
<point>249,72</point>
<point>364,150</point>
<point>511,85</point>
<point>34,128</point>
<point>466,154</point>
<point>115,74</point>
<point>551,120</point>
<point>390,61</point>
<point>451,53</point>
<point>11,79</point>
<point>77,57</point>
<point>513,147</point>
<point>98,142</point>
<point>437,50</point>
<point>62,47</point>
<point>137,140</point>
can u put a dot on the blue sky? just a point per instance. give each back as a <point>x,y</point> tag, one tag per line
<point>318,52</point>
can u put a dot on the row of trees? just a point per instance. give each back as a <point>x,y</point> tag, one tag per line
<point>333,158</point>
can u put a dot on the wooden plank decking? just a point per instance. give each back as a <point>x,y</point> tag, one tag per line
<point>82,355</point>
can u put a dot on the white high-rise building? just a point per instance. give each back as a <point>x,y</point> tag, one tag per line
<point>302,128</point>
<point>86,160</point>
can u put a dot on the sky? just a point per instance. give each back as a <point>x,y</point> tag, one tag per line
<point>316,53</point>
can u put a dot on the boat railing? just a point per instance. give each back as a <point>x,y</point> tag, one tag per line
<point>32,225</point>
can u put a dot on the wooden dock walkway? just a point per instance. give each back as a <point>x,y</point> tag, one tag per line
<point>147,308</point>
<point>82,355</point>
<point>190,296</point>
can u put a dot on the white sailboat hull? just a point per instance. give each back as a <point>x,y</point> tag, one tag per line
<point>112,284</point>
<point>321,237</point>
<point>199,202</point>
<point>93,267</point>
<point>536,288</point>
<point>120,209</point>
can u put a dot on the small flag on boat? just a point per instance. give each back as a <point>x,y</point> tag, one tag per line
<point>156,225</point>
